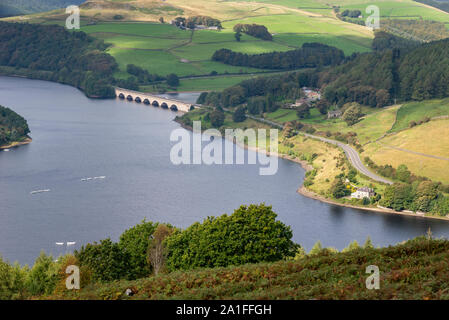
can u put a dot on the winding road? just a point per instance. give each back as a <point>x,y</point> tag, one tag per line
<point>352,155</point>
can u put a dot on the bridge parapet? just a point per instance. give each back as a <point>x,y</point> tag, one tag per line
<point>150,99</point>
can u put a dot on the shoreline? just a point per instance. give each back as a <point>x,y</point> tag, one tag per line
<point>312,195</point>
<point>16,144</point>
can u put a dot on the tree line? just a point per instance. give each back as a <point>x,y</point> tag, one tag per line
<point>311,55</point>
<point>412,192</point>
<point>55,54</point>
<point>191,22</point>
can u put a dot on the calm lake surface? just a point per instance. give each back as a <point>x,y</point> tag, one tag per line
<point>129,143</point>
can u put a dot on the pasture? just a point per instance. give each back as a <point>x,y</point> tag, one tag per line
<point>430,140</point>
<point>399,10</point>
<point>417,111</point>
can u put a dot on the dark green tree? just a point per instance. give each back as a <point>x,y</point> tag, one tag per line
<point>352,114</point>
<point>250,235</point>
<point>217,118</point>
<point>106,260</point>
<point>173,80</point>
<point>238,36</point>
<point>339,190</point>
<point>303,111</point>
<point>239,114</point>
<point>134,244</point>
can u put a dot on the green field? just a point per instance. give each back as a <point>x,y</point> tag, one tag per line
<point>282,115</point>
<point>294,30</point>
<point>211,83</point>
<point>399,9</point>
<point>164,49</point>
<point>417,111</point>
<point>371,127</point>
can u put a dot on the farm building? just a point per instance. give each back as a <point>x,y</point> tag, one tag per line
<point>333,114</point>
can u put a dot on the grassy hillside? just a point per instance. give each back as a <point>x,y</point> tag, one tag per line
<point>422,148</point>
<point>416,269</point>
<point>417,111</point>
<point>387,138</point>
<point>163,49</point>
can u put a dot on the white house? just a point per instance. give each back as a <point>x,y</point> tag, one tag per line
<point>363,193</point>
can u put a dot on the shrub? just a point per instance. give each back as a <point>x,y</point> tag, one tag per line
<point>134,244</point>
<point>251,234</point>
<point>43,277</point>
<point>12,281</point>
<point>106,260</point>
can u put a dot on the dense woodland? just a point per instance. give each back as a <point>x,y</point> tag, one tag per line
<point>13,127</point>
<point>387,41</point>
<point>255,30</point>
<point>418,30</point>
<point>55,54</point>
<point>440,4</point>
<point>19,7</point>
<point>376,79</point>
<point>311,55</point>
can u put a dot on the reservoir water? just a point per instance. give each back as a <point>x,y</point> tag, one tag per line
<point>128,144</point>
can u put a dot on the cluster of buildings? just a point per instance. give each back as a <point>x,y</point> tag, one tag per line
<point>182,26</point>
<point>310,96</point>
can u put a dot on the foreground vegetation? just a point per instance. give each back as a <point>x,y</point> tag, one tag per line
<point>416,269</point>
<point>246,255</point>
<point>13,127</point>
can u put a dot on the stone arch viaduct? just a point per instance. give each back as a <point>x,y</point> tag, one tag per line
<point>149,99</point>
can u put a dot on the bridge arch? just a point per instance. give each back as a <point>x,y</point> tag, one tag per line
<point>152,99</point>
